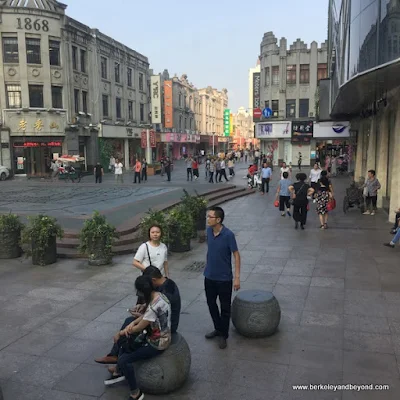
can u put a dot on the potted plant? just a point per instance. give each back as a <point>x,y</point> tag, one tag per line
<point>180,228</point>
<point>197,207</point>
<point>40,236</point>
<point>96,239</point>
<point>154,217</point>
<point>10,236</point>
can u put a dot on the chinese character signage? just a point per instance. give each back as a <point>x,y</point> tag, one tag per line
<point>153,141</point>
<point>144,140</point>
<point>231,124</point>
<point>227,122</point>
<point>256,93</point>
<point>156,99</point>
<point>168,110</point>
<point>302,131</point>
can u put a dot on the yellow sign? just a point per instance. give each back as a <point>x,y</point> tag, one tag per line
<point>38,125</point>
<point>22,125</point>
<point>53,125</point>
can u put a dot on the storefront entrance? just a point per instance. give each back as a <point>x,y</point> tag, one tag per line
<point>33,156</point>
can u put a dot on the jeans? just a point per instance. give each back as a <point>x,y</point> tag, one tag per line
<point>126,360</point>
<point>371,200</point>
<point>211,173</point>
<point>189,172</point>
<point>396,222</point>
<point>115,349</point>
<point>300,213</point>
<point>144,175</point>
<point>265,183</point>
<point>99,178</point>
<point>137,176</point>
<point>396,237</point>
<point>284,201</point>
<point>223,290</point>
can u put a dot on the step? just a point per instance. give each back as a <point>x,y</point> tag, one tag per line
<point>118,251</point>
<point>226,193</point>
<point>234,196</point>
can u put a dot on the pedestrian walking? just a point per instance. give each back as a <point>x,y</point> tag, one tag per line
<point>162,161</point>
<point>231,167</point>
<point>284,194</point>
<point>118,171</point>
<point>222,172</point>
<point>371,187</point>
<point>189,171</point>
<point>195,169</point>
<point>138,170</point>
<point>167,166</point>
<point>218,277</point>
<point>207,167</point>
<point>322,196</point>
<point>300,192</point>
<point>266,174</point>
<point>111,166</point>
<point>98,172</point>
<point>315,175</point>
<point>300,160</point>
<point>217,169</point>
<point>285,168</point>
<point>144,170</point>
<point>211,171</point>
<point>54,166</point>
<point>246,155</point>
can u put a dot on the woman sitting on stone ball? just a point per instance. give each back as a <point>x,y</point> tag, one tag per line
<point>147,336</point>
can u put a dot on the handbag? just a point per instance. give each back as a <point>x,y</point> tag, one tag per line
<point>276,203</point>
<point>131,343</point>
<point>331,204</point>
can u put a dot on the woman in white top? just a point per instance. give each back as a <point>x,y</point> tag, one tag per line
<point>284,168</point>
<point>153,252</point>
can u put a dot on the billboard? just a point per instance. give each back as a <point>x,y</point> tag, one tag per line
<point>302,131</point>
<point>332,130</point>
<point>256,93</point>
<point>155,99</point>
<point>273,130</point>
<point>227,122</point>
<point>168,108</point>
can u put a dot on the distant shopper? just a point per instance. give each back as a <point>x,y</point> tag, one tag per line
<point>222,172</point>
<point>266,174</point>
<point>144,170</point>
<point>111,167</point>
<point>322,196</point>
<point>300,192</point>
<point>300,161</point>
<point>167,167</point>
<point>138,170</point>
<point>287,169</point>
<point>118,171</point>
<point>218,277</point>
<point>231,167</point>
<point>189,170</point>
<point>98,172</point>
<point>371,188</point>
<point>195,169</point>
<point>284,194</point>
<point>54,166</point>
<point>315,175</point>
<point>211,171</point>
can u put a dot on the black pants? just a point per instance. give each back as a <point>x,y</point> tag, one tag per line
<point>284,202</point>
<point>189,172</point>
<point>300,213</point>
<point>314,185</point>
<point>99,179</point>
<point>231,172</point>
<point>371,200</point>
<point>144,174</point>
<point>196,172</point>
<point>211,173</point>
<point>223,291</point>
<point>115,349</point>
<point>137,176</point>
<point>299,165</point>
<point>168,172</point>
<point>265,183</point>
<point>222,173</point>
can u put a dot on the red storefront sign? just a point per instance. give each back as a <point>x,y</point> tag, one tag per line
<point>36,144</point>
<point>144,140</point>
<point>153,139</point>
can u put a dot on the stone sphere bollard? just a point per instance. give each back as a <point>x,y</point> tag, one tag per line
<point>256,313</point>
<point>168,371</point>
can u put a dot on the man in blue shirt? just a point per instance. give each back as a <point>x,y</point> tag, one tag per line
<point>266,174</point>
<point>218,273</point>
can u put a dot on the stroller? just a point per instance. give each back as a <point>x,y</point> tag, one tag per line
<point>354,197</point>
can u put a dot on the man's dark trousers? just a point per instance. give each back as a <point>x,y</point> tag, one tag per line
<point>223,290</point>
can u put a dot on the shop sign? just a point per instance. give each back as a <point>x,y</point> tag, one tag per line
<point>180,138</point>
<point>332,130</point>
<point>257,95</point>
<point>225,139</point>
<point>129,132</point>
<point>276,130</point>
<point>227,122</point>
<point>37,144</point>
<point>302,131</point>
<point>168,110</point>
<point>153,140</point>
<point>156,99</point>
<point>144,140</point>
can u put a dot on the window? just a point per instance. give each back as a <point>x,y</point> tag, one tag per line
<point>290,108</point>
<point>54,52</point>
<point>118,107</point>
<point>14,99</point>
<point>76,100</point>
<point>322,71</point>
<point>117,70</point>
<point>56,97</point>
<point>33,51</point>
<point>36,96</point>
<point>304,105</point>
<point>275,108</point>
<point>267,77</point>
<point>130,110</point>
<point>291,74</point>
<point>141,112</point>
<point>304,73</point>
<point>83,61</point>
<point>141,83</point>
<point>103,64</point>
<point>74,57</point>
<point>105,105</point>
<point>10,50</point>
<point>266,104</point>
<point>275,75</point>
<point>129,76</point>
<point>84,102</point>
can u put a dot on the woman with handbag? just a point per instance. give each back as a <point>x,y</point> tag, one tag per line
<point>151,335</point>
<point>300,192</point>
<point>322,196</point>
<point>284,195</point>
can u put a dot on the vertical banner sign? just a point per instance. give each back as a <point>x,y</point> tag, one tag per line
<point>153,141</point>
<point>144,140</point>
<point>169,122</point>
<point>231,125</point>
<point>256,92</point>
<point>227,122</point>
<point>156,99</point>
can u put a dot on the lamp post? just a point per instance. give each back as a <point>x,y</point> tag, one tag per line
<point>148,151</point>
<point>213,146</point>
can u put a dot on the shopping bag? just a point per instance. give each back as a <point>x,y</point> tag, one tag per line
<point>331,205</point>
<point>276,203</point>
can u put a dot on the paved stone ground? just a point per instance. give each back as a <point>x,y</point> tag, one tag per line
<point>339,292</point>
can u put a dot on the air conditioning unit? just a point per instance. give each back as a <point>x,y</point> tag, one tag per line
<point>310,114</point>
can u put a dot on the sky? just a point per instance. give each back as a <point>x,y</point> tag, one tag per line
<point>214,42</point>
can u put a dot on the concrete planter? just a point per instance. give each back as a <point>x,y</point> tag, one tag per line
<point>178,246</point>
<point>98,256</point>
<point>48,256</point>
<point>9,244</point>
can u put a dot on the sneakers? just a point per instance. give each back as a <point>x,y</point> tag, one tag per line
<point>212,335</point>
<point>114,379</point>
<point>373,213</point>
<point>389,245</point>
<point>367,212</point>
<point>140,396</point>
<point>107,360</point>
<point>283,214</point>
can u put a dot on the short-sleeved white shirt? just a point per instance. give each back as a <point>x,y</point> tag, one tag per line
<point>158,255</point>
<point>118,169</point>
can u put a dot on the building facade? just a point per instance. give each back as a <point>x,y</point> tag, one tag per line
<point>364,87</point>
<point>64,85</point>
<point>288,90</point>
<point>243,131</point>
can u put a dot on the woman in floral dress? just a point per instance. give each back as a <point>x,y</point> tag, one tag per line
<point>322,197</point>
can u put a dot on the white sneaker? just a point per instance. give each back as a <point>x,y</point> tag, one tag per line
<point>367,213</point>
<point>373,213</point>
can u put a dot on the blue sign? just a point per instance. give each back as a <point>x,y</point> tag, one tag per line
<point>267,112</point>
